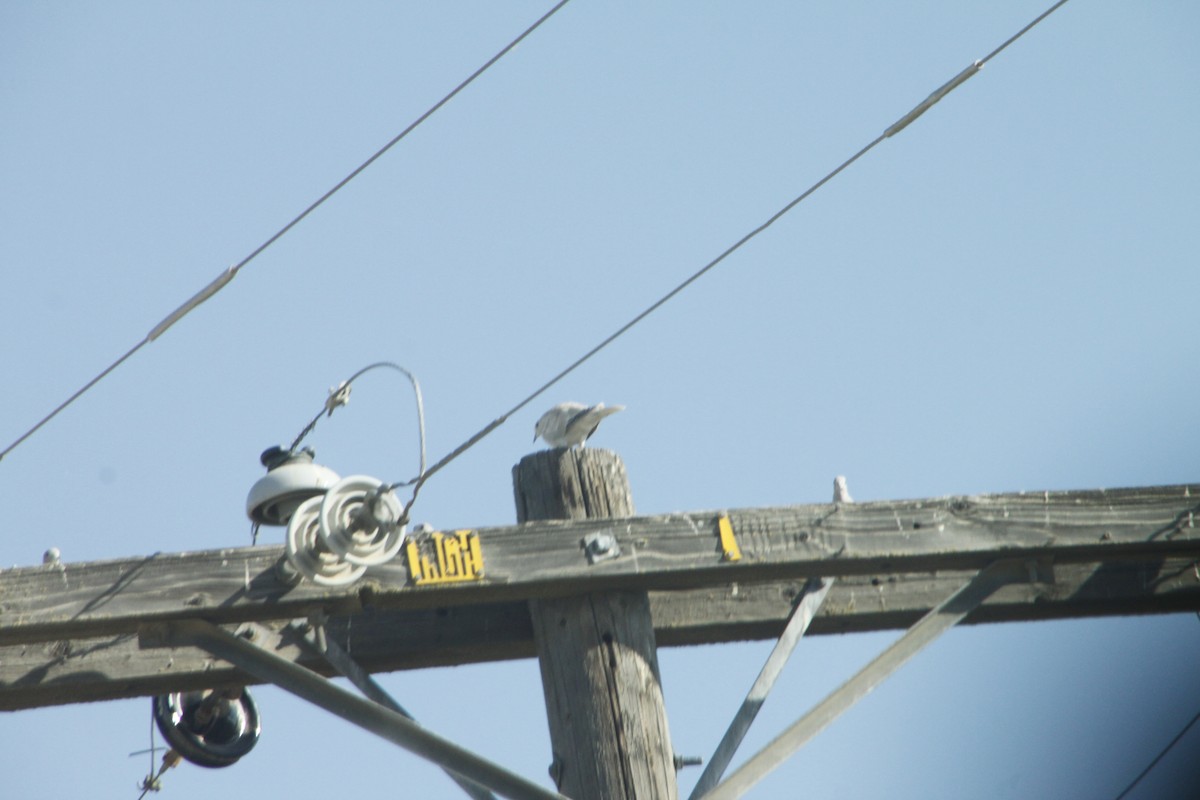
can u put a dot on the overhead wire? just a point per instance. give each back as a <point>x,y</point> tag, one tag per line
<point>225,277</point>
<point>424,474</point>
<point>1162,754</point>
<point>340,395</point>
<point>153,780</point>
<point>418,481</point>
<point>1023,31</point>
<point>888,132</point>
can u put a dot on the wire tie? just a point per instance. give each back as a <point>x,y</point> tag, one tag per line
<point>338,396</point>
<point>937,95</point>
<point>199,297</point>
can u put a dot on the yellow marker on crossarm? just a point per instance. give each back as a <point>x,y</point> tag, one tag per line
<point>445,558</point>
<point>729,545</point>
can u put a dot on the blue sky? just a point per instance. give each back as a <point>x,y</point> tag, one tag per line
<point>1000,298</point>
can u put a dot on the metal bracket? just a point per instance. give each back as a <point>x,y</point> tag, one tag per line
<point>939,620</point>
<point>601,546</point>
<point>312,635</point>
<point>811,598</point>
<point>378,719</point>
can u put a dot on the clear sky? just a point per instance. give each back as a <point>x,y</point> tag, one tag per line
<point>1000,298</point>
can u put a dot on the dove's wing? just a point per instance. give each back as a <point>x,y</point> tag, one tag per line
<point>570,424</point>
<point>553,424</point>
<point>583,424</point>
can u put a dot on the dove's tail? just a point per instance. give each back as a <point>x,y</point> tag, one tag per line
<point>600,411</point>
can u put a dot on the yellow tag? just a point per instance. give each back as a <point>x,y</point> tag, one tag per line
<point>729,545</point>
<point>445,558</point>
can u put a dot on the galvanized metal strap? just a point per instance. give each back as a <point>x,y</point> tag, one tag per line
<point>936,622</point>
<point>812,596</point>
<point>315,640</point>
<point>384,722</point>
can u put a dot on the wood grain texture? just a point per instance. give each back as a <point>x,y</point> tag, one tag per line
<point>596,650</point>
<point>91,669</point>
<point>677,551</point>
<point>603,696</point>
<point>574,485</point>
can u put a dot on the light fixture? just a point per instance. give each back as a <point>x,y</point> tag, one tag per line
<point>209,728</point>
<point>291,478</point>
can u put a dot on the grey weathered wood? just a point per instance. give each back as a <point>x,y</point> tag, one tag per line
<point>566,485</point>
<point>83,670</point>
<point>678,551</point>
<point>597,653</point>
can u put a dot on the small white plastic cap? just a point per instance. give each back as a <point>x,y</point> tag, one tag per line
<point>276,496</point>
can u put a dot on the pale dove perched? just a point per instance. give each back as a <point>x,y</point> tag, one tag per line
<point>570,424</point>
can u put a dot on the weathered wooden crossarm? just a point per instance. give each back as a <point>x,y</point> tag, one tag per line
<point>83,670</point>
<point>677,551</point>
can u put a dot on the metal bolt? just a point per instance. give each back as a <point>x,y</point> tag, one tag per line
<point>601,546</point>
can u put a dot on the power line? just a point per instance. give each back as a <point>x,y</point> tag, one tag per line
<point>1159,757</point>
<point>888,132</point>
<point>1023,31</point>
<point>225,277</point>
<point>340,395</point>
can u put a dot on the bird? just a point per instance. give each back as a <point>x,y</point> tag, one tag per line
<point>570,424</point>
<point>840,493</point>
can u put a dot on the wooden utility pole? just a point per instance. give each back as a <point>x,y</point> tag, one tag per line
<point>608,724</point>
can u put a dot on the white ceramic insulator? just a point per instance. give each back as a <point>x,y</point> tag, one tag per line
<point>307,553</point>
<point>362,535</point>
